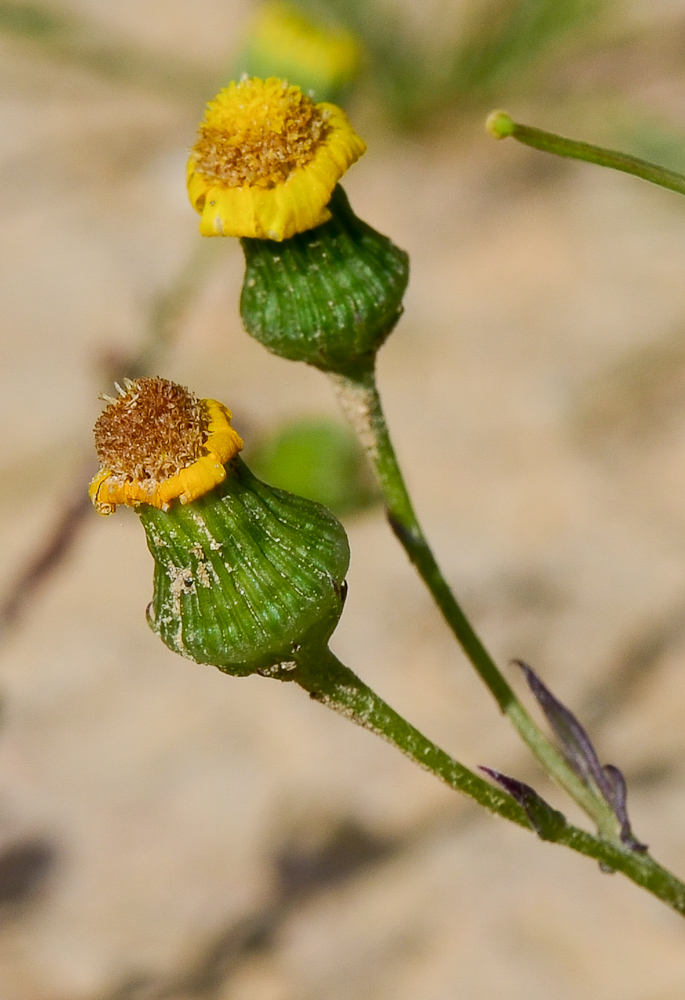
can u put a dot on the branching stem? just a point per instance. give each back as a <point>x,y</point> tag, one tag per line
<point>358,395</point>
<point>328,681</point>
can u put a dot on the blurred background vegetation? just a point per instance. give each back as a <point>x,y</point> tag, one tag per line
<point>428,75</point>
<point>188,837</point>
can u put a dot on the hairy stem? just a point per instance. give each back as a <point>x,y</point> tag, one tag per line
<point>328,681</point>
<point>361,403</point>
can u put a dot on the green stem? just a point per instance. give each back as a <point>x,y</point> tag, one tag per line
<point>327,680</point>
<point>361,403</point>
<point>500,126</point>
<point>335,685</point>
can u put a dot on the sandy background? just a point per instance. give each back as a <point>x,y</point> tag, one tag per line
<point>166,831</point>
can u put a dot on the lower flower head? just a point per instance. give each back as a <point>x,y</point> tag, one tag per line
<point>158,442</point>
<point>267,161</point>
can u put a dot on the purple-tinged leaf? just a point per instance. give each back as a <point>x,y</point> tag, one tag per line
<point>546,821</point>
<point>619,795</point>
<point>576,745</point>
<point>581,755</point>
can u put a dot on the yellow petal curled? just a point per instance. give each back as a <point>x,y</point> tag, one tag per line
<point>158,443</point>
<point>267,161</point>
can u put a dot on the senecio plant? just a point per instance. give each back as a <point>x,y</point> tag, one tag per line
<point>251,579</point>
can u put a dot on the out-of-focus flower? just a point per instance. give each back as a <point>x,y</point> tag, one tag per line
<point>320,57</point>
<point>267,160</point>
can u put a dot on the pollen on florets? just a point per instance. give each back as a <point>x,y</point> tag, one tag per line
<point>267,161</point>
<point>257,132</point>
<point>157,443</point>
<point>152,431</point>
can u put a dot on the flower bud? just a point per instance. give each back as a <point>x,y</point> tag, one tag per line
<point>329,296</point>
<point>245,575</point>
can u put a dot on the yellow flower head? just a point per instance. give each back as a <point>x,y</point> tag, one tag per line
<point>267,161</point>
<point>157,442</point>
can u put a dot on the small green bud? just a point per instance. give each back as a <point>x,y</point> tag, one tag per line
<point>246,576</point>
<point>329,296</point>
<point>500,125</point>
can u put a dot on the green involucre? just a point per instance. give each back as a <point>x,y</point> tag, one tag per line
<point>329,296</point>
<point>246,575</point>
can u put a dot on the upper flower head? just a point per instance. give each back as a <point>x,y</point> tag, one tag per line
<point>158,442</point>
<point>267,160</point>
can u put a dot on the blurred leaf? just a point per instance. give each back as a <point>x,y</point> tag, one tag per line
<point>317,459</point>
<point>508,37</point>
<point>30,20</point>
<point>417,75</point>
